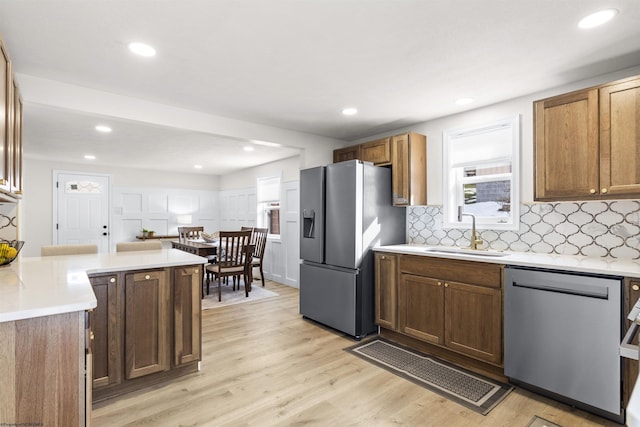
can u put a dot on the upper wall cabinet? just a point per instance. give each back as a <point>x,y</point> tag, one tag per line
<point>587,143</point>
<point>10,131</point>
<point>409,169</point>
<point>346,154</point>
<point>407,156</point>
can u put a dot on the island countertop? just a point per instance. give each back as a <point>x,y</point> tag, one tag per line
<point>572,263</point>
<point>41,286</point>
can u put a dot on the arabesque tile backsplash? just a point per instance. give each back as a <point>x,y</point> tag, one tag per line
<point>8,228</point>
<point>597,229</point>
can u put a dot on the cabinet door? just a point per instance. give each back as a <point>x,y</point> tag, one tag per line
<point>630,367</point>
<point>378,152</point>
<point>566,147</point>
<point>400,173</point>
<point>620,138</point>
<point>147,326</point>
<point>5,118</point>
<point>106,326</point>
<point>473,320</point>
<point>409,169</point>
<point>16,161</point>
<point>347,153</point>
<point>187,285</point>
<point>421,308</point>
<point>386,290</point>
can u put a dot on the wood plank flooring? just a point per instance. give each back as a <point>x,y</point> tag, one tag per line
<point>263,365</point>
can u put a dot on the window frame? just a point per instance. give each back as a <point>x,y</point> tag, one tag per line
<point>262,206</point>
<point>454,179</point>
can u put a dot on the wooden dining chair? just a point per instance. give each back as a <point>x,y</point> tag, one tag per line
<point>190,233</point>
<point>234,259</point>
<point>259,240</point>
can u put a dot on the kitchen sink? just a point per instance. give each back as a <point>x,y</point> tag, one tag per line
<point>466,251</point>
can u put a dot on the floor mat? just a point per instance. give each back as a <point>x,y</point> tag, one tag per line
<point>466,388</point>
<point>541,422</point>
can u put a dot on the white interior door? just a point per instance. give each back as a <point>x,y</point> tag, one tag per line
<point>82,214</point>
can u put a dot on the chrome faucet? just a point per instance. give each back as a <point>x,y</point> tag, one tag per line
<point>475,241</point>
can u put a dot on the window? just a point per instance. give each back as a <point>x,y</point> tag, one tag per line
<point>481,174</point>
<point>269,204</point>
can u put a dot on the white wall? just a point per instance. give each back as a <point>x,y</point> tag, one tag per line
<point>36,206</point>
<point>523,106</point>
<point>286,169</point>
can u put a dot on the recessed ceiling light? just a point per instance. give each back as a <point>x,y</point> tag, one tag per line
<point>103,128</point>
<point>142,49</point>
<point>197,166</point>
<point>89,157</point>
<point>350,111</point>
<point>464,101</point>
<point>266,143</point>
<point>248,148</point>
<point>598,18</point>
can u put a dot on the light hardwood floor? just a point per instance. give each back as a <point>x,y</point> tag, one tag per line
<point>264,365</point>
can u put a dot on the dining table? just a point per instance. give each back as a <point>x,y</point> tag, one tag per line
<point>198,247</point>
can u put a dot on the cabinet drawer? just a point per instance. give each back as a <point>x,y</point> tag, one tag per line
<point>472,272</point>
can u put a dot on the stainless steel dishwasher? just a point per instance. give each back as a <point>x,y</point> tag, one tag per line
<point>562,334</point>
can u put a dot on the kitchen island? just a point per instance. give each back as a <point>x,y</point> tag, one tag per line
<point>51,308</point>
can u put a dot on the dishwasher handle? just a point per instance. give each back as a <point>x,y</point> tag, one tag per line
<point>589,291</point>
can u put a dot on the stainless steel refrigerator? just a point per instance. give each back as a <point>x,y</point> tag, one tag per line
<point>345,211</point>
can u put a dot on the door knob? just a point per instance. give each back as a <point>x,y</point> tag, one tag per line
<point>592,191</point>
<point>105,233</point>
<point>603,191</point>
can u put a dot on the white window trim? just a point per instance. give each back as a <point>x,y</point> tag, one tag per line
<point>449,180</point>
<point>259,202</point>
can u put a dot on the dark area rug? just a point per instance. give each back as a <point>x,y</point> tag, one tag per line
<point>467,388</point>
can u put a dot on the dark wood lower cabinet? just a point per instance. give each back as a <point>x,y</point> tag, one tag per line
<point>446,307</point>
<point>186,313</point>
<point>422,308</point>
<point>473,320</point>
<point>146,328</point>
<point>107,330</point>
<point>147,325</point>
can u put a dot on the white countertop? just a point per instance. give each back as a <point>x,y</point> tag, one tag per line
<point>42,286</point>
<point>582,264</point>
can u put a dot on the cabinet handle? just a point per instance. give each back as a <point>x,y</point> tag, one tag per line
<point>603,191</point>
<point>147,277</point>
<point>383,257</point>
<point>91,336</point>
<point>635,287</point>
<point>196,271</point>
<point>439,283</point>
<point>446,285</point>
<point>112,280</point>
<point>592,191</point>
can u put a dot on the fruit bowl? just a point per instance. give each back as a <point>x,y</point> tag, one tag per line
<point>9,250</point>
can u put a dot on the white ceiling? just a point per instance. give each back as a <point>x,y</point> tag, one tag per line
<point>294,64</point>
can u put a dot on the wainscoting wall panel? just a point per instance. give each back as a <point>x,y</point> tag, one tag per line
<point>161,210</point>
